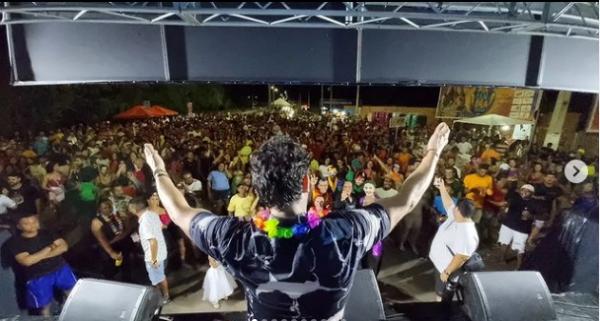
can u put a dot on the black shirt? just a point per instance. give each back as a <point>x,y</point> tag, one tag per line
<point>338,204</point>
<point>25,197</point>
<point>19,244</point>
<point>308,277</point>
<point>516,206</point>
<point>190,166</point>
<point>546,196</point>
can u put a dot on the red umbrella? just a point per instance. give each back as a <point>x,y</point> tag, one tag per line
<point>162,111</point>
<point>142,112</point>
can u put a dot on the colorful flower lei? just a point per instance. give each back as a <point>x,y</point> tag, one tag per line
<point>270,225</point>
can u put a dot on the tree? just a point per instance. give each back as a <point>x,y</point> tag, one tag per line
<point>48,107</point>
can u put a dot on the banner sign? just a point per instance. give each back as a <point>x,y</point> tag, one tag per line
<point>465,102</point>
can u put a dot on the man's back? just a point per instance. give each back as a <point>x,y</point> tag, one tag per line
<point>302,277</point>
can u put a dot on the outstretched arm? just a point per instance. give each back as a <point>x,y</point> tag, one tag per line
<point>382,164</point>
<point>418,182</point>
<point>446,198</point>
<point>174,202</point>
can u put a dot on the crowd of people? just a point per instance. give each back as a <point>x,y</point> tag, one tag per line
<point>91,188</point>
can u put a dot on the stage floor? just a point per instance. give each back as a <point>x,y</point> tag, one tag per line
<point>568,306</point>
<point>404,278</point>
<point>405,281</point>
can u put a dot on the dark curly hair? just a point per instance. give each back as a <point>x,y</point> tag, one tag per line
<point>278,168</point>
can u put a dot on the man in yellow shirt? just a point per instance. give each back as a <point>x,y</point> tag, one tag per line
<point>477,186</point>
<point>489,154</point>
<point>241,204</point>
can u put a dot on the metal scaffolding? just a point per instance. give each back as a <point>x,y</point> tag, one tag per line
<point>565,19</point>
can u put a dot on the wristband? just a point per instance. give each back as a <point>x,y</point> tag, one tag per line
<point>160,172</point>
<point>436,153</point>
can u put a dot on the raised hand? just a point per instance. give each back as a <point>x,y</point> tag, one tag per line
<point>153,159</point>
<point>345,195</point>
<point>438,182</point>
<point>439,139</point>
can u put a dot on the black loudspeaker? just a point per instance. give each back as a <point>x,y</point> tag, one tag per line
<point>364,302</point>
<point>506,296</point>
<point>100,300</point>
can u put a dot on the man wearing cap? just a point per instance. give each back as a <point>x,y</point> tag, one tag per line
<point>518,222</point>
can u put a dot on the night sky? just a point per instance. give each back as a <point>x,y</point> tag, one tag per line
<point>369,95</point>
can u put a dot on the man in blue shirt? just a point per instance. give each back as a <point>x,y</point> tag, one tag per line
<point>218,188</point>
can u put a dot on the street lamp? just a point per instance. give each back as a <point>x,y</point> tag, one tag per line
<point>252,100</point>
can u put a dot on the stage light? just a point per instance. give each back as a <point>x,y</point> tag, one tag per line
<point>505,128</point>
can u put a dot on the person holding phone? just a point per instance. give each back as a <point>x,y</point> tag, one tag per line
<point>455,241</point>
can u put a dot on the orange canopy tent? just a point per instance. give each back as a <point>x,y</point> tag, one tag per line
<point>142,112</point>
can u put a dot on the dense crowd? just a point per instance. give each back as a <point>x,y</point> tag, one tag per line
<point>80,182</point>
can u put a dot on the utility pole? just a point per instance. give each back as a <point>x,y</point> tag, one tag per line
<point>322,101</point>
<point>269,95</point>
<point>330,97</point>
<point>357,99</point>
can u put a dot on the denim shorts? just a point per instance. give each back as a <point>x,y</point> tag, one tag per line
<point>156,274</point>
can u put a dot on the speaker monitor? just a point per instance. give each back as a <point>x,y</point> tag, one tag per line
<point>100,300</point>
<point>364,302</point>
<point>507,296</point>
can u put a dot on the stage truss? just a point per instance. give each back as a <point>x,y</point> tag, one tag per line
<point>564,19</point>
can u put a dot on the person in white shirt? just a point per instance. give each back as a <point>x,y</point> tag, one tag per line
<point>192,185</point>
<point>455,241</point>
<point>6,202</point>
<point>464,147</point>
<point>153,244</point>
<point>387,190</point>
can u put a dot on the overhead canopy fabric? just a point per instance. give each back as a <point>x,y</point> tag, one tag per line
<point>143,112</point>
<point>280,102</point>
<point>493,120</point>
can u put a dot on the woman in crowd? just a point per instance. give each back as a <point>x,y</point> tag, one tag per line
<point>536,176</point>
<point>105,179</point>
<point>54,184</point>
<point>171,231</point>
